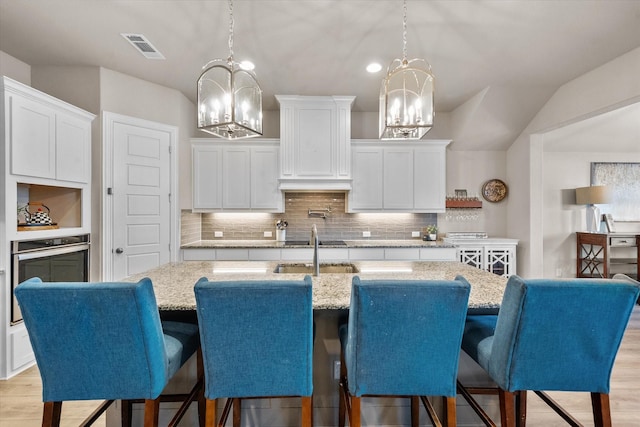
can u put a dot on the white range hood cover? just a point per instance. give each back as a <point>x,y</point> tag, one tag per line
<point>315,142</point>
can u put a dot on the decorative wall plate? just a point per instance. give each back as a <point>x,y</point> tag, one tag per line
<point>494,190</point>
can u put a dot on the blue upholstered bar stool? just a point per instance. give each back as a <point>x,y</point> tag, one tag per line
<point>257,341</point>
<point>403,339</point>
<point>95,341</point>
<point>550,335</point>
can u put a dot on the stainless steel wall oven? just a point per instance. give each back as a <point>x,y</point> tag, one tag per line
<point>59,259</point>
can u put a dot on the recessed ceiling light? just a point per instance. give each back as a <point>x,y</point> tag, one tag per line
<point>374,67</point>
<point>247,65</point>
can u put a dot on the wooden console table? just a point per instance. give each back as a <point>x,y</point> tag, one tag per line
<point>603,255</point>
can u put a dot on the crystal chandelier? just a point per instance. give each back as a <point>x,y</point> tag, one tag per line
<point>229,97</point>
<point>406,95</point>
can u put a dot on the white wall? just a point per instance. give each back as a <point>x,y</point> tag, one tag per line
<point>613,85</point>
<point>563,172</point>
<point>15,69</point>
<point>469,170</point>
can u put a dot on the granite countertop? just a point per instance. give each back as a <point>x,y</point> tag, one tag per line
<point>365,243</point>
<point>173,282</point>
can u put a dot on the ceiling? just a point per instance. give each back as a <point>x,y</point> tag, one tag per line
<point>496,62</point>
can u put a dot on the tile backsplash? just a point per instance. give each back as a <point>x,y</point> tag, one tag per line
<point>337,224</point>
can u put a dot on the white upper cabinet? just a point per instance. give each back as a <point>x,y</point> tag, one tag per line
<point>236,176</point>
<point>315,142</point>
<point>397,183</point>
<point>429,178</point>
<point>207,176</point>
<point>264,179</point>
<point>366,193</point>
<point>48,138</point>
<point>398,177</point>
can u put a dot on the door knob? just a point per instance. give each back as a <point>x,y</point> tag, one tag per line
<point>119,250</point>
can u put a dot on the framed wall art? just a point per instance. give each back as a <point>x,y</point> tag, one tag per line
<point>624,181</point>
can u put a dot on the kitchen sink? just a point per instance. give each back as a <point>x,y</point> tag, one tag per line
<point>321,243</point>
<point>327,268</point>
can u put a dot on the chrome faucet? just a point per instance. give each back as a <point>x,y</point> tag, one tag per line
<point>315,241</point>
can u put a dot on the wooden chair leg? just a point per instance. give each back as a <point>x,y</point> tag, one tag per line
<point>449,411</point>
<point>202,405</point>
<point>521,408</point>
<point>237,411</point>
<point>415,411</point>
<point>601,409</point>
<point>126,407</point>
<point>210,412</point>
<point>341,405</point>
<point>307,411</point>
<point>151,412</point>
<point>51,414</point>
<point>354,414</point>
<point>507,408</point>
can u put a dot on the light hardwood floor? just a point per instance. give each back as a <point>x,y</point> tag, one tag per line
<point>21,396</point>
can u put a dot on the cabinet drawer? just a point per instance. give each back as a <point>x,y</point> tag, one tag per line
<point>199,254</point>
<point>21,352</point>
<point>622,241</point>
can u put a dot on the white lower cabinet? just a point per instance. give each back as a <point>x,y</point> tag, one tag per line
<point>236,177</point>
<point>496,256</point>
<point>402,254</point>
<point>366,254</point>
<point>334,254</point>
<point>199,254</point>
<point>438,254</point>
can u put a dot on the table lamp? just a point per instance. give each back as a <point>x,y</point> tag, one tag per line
<point>591,196</point>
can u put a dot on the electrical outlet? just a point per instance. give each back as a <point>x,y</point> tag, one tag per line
<point>366,234</point>
<point>336,369</point>
<point>415,234</point>
<point>559,272</point>
<point>217,234</point>
<point>268,234</point>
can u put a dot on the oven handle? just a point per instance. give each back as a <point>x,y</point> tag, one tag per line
<point>52,252</point>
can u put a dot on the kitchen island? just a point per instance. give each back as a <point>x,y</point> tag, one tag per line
<point>173,285</point>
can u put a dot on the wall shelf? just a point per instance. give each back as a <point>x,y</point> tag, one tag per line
<point>463,204</point>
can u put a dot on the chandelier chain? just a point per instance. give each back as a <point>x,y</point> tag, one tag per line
<point>404,31</point>
<point>230,31</point>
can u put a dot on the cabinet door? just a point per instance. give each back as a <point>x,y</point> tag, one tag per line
<point>207,177</point>
<point>32,138</point>
<point>73,149</point>
<point>398,179</point>
<point>314,153</point>
<point>429,179</point>
<point>236,172</point>
<point>367,179</point>
<point>264,179</point>
<point>472,255</point>
<point>500,260</point>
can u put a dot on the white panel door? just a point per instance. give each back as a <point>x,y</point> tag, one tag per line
<point>141,203</point>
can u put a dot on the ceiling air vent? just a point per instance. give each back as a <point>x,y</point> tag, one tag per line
<point>143,45</point>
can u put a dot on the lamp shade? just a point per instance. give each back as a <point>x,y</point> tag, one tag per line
<point>594,195</point>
